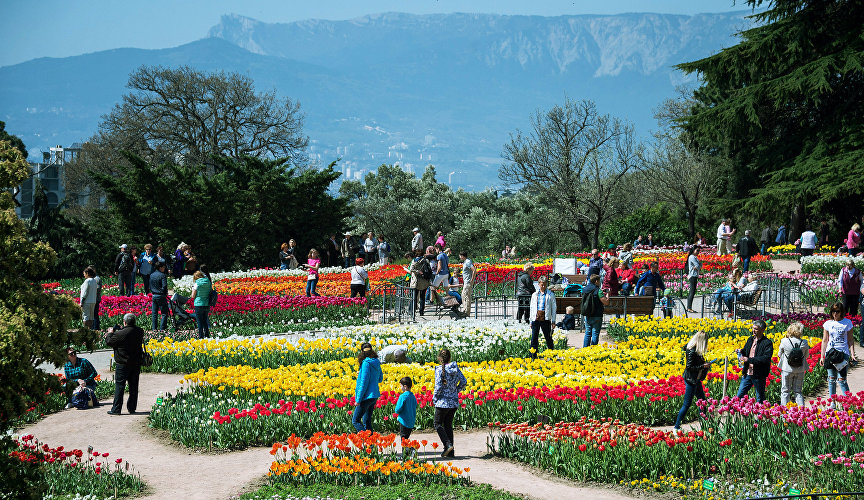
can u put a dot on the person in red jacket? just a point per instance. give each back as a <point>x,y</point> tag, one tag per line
<point>626,277</point>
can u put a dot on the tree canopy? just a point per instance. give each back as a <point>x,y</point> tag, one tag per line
<point>785,105</point>
<point>233,218</point>
<point>33,324</point>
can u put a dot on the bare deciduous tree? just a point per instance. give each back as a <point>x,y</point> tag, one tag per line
<point>576,159</point>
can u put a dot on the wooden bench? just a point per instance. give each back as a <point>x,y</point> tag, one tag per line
<point>640,306</point>
<point>749,304</point>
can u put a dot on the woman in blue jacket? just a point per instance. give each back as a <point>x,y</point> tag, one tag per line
<point>366,393</point>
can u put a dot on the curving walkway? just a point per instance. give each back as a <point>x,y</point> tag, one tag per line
<point>172,471</point>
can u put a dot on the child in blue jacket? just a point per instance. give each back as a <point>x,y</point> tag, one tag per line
<point>406,408</point>
<point>366,393</point>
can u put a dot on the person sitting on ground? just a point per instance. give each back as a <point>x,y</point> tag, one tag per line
<point>78,371</point>
<point>394,354</point>
<point>569,321</point>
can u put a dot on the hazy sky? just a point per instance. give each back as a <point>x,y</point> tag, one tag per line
<point>59,28</point>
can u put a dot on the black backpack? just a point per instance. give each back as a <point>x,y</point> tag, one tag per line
<point>590,303</point>
<point>426,269</point>
<point>795,358</point>
<point>125,263</point>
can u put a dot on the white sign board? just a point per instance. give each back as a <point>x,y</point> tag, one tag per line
<point>564,266</point>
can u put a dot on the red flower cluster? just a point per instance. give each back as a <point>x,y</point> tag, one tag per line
<point>29,450</point>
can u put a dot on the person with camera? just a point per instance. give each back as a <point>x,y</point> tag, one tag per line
<point>128,354</point>
<point>755,360</point>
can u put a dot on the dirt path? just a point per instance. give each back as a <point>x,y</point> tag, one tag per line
<point>172,471</point>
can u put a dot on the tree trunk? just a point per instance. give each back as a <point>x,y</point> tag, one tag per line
<point>799,221</point>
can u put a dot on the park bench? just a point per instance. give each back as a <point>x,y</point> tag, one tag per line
<point>748,303</point>
<point>639,306</point>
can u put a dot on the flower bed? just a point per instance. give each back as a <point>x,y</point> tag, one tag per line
<point>741,441</point>
<point>363,458</point>
<point>474,340</point>
<point>828,264</point>
<point>251,314</point>
<point>76,472</point>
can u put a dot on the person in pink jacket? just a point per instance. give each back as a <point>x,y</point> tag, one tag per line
<point>853,239</point>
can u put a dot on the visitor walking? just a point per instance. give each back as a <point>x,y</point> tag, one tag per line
<point>524,290</point>
<point>127,343</point>
<point>358,279</point>
<point>611,284</point>
<point>853,239</point>
<point>201,300</point>
<point>781,235</point>
<point>421,273</point>
<point>694,266</point>
<point>348,250</point>
<point>593,300</point>
<point>765,240</point>
<point>849,286</point>
<point>755,361</point>
<point>792,356</point>
<point>96,323</point>
<point>370,247</point>
<point>695,371</point>
<point>449,381</point>
<point>159,300</point>
<point>439,240</point>
<point>123,267</point>
<point>383,251</point>
<point>746,249</point>
<point>416,241</point>
<point>468,275</point>
<point>406,408</point>
<point>313,263</point>
<point>626,255</point>
<point>366,392</point>
<point>88,297</point>
<point>724,233</point>
<point>807,242</point>
<point>145,266</point>
<point>179,266</point>
<point>542,309</point>
<point>838,348</point>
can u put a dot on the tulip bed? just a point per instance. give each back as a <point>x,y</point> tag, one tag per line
<point>251,314</point>
<point>360,458</point>
<point>76,472</point>
<point>809,449</point>
<point>828,264</point>
<point>474,340</point>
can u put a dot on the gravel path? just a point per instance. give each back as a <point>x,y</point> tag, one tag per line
<point>172,471</point>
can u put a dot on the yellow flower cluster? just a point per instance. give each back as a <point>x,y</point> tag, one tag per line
<point>363,465</point>
<point>793,248</point>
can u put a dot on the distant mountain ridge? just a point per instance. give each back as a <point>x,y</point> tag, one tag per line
<point>445,89</point>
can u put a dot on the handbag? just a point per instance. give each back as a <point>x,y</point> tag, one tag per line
<point>146,358</point>
<point>736,261</point>
<point>835,356</point>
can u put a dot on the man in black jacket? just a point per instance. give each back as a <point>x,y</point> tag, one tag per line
<point>127,343</point>
<point>159,286</point>
<point>123,266</point>
<point>755,361</point>
<point>746,249</point>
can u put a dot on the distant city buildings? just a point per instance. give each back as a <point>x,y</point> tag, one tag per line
<point>49,173</point>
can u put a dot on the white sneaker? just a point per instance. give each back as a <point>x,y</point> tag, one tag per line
<point>68,405</point>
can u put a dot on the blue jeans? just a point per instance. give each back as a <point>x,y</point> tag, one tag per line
<point>160,304</point>
<point>457,295</point>
<point>837,377</point>
<point>592,330</point>
<point>349,262</point>
<point>130,284</point>
<point>690,391</point>
<point>310,288</point>
<point>764,250</point>
<point>748,381</point>
<point>202,315</point>
<point>745,264</point>
<point>362,417</point>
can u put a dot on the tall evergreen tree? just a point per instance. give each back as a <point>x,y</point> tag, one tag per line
<point>785,104</point>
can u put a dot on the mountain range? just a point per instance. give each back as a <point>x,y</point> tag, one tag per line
<point>444,89</point>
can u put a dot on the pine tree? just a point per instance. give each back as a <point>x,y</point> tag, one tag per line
<point>785,104</point>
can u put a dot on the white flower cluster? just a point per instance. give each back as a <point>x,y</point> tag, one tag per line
<point>185,284</point>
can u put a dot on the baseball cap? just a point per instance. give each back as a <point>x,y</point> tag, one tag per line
<point>416,230</point>
<point>123,245</point>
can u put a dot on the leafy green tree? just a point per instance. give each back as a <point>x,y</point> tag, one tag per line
<point>33,324</point>
<point>785,105</point>
<point>234,218</point>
